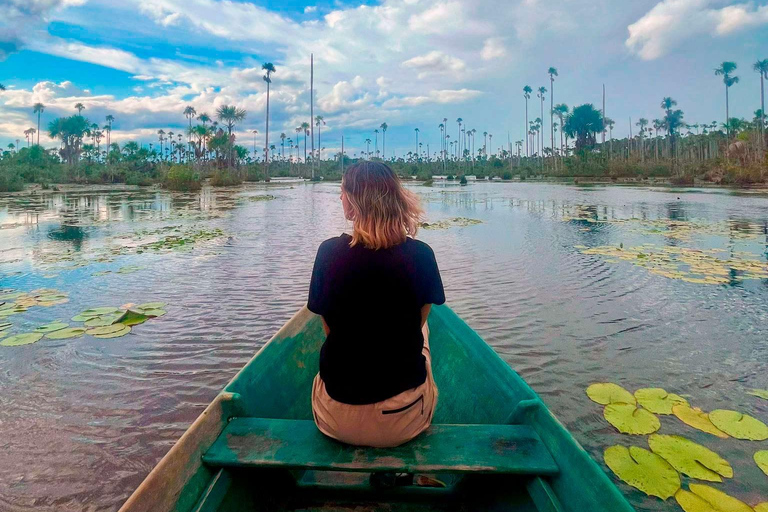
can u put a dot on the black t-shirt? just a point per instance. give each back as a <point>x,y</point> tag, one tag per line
<point>371,301</point>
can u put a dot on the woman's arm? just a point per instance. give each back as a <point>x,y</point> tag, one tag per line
<point>325,326</point>
<point>425,313</point>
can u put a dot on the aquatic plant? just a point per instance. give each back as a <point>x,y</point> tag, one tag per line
<point>643,470</point>
<point>689,458</point>
<point>703,498</point>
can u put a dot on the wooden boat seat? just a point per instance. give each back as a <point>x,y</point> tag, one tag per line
<point>297,444</point>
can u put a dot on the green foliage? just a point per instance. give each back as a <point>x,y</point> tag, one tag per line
<point>10,179</point>
<point>605,393</point>
<point>690,458</point>
<point>643,470</point>
<point>225,178</point>
<point>182,178</point>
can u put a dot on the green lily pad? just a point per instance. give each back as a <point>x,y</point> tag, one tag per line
<point>698,419</point>
<point>761,459</point>
<point>760,393</point>
<point>7,305</point>
<point>643,470</point>
<point>605,393</point>
<point>738,425</point>
<point>106,310</point>
<point>703,498</point>
<point>133,318</point>
<point>628,419</point>
<point>658,401</point>
<point>762,507</point>
<point>53,326</point>
<point>5,325</point>
<point>64,334</point>
<point>690,458</point>
<point>153,313</point>
<point>109,331</point>
<point>151,305</point>
<point>21,339</point>
<point>12,296</point>
<point>101,321</point>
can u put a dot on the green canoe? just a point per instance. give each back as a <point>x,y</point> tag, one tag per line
<point>493,443</point>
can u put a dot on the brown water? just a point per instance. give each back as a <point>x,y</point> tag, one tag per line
<point>83,421</point>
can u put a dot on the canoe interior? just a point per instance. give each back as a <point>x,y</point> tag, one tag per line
<point>476,387</point>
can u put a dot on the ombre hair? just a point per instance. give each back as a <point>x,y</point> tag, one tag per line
<point>384,213</point>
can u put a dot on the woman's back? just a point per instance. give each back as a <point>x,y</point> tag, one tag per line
<point>371,300</point>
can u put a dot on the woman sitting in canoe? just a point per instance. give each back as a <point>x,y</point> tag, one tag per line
<point>374,290</point>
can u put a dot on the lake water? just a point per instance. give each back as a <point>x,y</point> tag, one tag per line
<point>82,421</point>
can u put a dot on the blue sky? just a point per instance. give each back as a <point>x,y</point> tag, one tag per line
<point>409,63</point>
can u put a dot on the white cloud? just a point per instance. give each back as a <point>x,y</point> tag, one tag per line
<point>435,62</point>
<point>671,22</point>
<point>310,9</point>
<point>493,48</point>
<point>441,96</point>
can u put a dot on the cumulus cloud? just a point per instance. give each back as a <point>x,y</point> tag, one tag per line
<point>440,96</point>
<point>22,17</point>
<point>671,22</point>
<point>435,62</point>
<point>493,48</point>
<point>310,9</point>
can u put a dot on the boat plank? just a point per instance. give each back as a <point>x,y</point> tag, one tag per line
<point>259,442</point>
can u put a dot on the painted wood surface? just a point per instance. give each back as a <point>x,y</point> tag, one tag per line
<point>443,448</point>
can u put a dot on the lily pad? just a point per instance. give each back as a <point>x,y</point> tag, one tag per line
<point>628,419</point>
<point>151,305</point>
<point>605,393</point>
<point>21,339</point>
<point>760,393</point>
<point>738,425</point>
<point>761,507</point>
<point>698,419</point>
<point>5,325</point>
<point>703,498</point>
<point>690,458</point>
<point>133,318</point>
<point>101,321</point>
<point>109,331</point>
<point>761,459</point>
<point>658,401</point>
<point>106,310</point>
<point>53,326</point>
<point>153,313</point>
<point>643,470</point>
<point>64,334</point>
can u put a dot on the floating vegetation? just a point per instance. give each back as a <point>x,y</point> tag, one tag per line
<point>658,401</point>
<point>643,470</point>
<point>450,223</point>
<point>685,264</point>
<point>109,331</point>
<point>629,419</point>
<point>52,327</point>
<point>689,458</point>
<point>761,459</point>
<point>605,393</point>
<point>184,241</point>
<point>26,338</point>
<point>760,393</point>
<point>703,498</point>
<point>128,269</point>
<point>5,325</point>
<point>64,334</point>
<point>698,419</point>
<point>738,425</point>
<point>256,198</point>
<point>13,302</point>
<point>761,507</point>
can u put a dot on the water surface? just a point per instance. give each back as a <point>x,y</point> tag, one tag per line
<point>83,421</point>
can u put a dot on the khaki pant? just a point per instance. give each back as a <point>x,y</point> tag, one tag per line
<point>391,422</point>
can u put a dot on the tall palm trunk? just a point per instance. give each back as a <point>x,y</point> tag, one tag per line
<point>527,151</point>
<point>727,119</point>
<point>762,118</point>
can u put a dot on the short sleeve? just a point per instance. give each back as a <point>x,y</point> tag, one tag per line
<point>432,284</point>
<point>318,298</point>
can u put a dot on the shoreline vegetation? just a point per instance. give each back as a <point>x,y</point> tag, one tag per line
<point>667,149</point>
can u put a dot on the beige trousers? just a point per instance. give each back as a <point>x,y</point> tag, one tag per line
<point>385,424</point>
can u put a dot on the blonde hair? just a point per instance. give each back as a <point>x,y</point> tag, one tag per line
<point>384,213</point>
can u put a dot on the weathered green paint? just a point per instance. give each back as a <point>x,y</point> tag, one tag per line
<point>476,387</point>
<point>299,444</point>
<point>214,495</point>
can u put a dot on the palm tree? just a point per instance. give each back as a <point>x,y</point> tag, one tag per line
<point>609,124</point>
<point>110,119</point>
<point>527,95</point>
<point>318,121</point>
<point>368,147</point>
<point>161,138</point>
<point>658,124</point>
<point>305,129</point>
<point>2,87</point>
<point>485,142</point>
<point>761,66</point>
<point>230,115</point>
<point>642,123</point>
<point>552,74</point>
<point>667,103</point>
<point>282,146</point>
<point>189,113</point>
<point>269,68</point>
<point>254,132</point>
<point>79,107</point>
<point>384,127</point>
<point>38,109</point>
<point>561,110</point>
<point>29,133</point>
<point>725,69</point>
<point>417,142</point>
<point>583,124</point>
<point>540,92</point>
<point>490,141</point>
